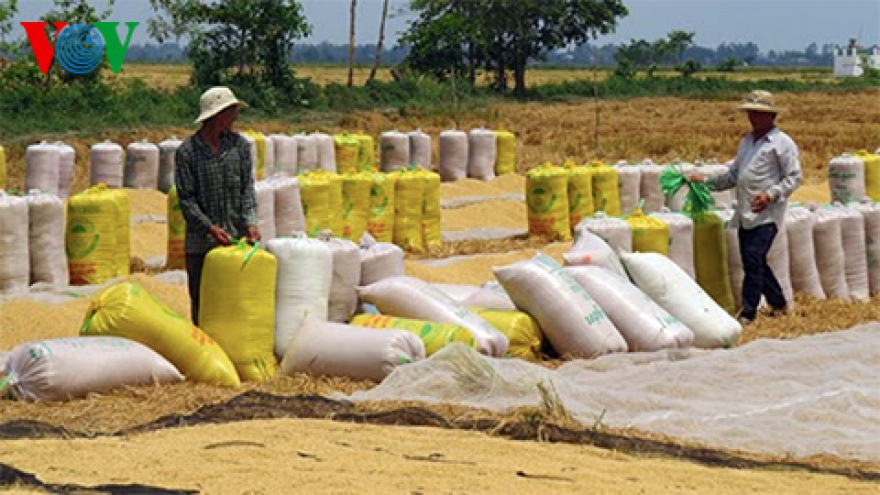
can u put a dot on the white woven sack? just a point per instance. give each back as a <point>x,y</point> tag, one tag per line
<point>409,297</point>
<point>642,322</point>
<point>482,153</point>
<point>305,271</point>
<point>42,167</point>
<point>846,178</point>
<point>629,179</point>
<point>141,165</point>
<point>380,260</point>
<point>47,228</point>
<point>491,296</point>
<point>726,198</point>
<point>457,292</point>
<point>269,157</point>
<point>420,149</point>
<point>590,249</point>
<point>453,154</point>
<point>60,369</point>
<point>14,249</point>
<point>285,148</point>
<point>571,320</point>
<point>346,277</point>
<point>106,164</point>
<point>358,353</point>
<point>326,151</point>
<point>649,186</point>
<point>802,267</point>
<point>852,228</point>
<point>265,193</point>
<point>66,168</point>
<point>306,153</point>
<point>167,163</point>
<point>871,213</point>
<point>289,215</point>
<point>681,239</point>
<point>830,260</point>
<point>777,260</point>
<point>670,287</point>
<point>394,151</point>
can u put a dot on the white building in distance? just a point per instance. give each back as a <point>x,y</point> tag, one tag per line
<point>848,61</point>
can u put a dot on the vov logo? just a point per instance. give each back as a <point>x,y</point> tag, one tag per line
<point>79,48</point>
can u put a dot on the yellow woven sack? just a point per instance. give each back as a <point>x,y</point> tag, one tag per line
<point>2,168</point>
<point>355,204</point>
<point>123,232</point>
<point>649,234</point>
<point>547,201</point>
<point>238,307</point>
<point>128,310</point>
<point>710,260</point>
<point>408,193</point>
<point>521,329</point>
<point>366,153</point>
<point>380,224</point>
<point>347,148</point>
<point>872,173</point>
<point>91,236</point>
<point>176,255</point>
<point>433,334</point>
<point>432,235</point>
<point>314,191</point>
<point>606,189</point>
<point>260,166</point>
<point>334,200</point>
<point>505,158</point>
<point>580,193</point>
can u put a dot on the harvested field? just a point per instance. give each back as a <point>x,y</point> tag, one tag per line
<point>195,437</point>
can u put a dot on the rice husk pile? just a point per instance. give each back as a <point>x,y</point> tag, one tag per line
<point>504,213</point>
<point>477,269</point>
<point>500,186</point>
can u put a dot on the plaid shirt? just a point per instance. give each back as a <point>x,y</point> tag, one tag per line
<point>215,189</point>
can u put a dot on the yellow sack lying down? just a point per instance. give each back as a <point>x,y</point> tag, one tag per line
<point>521,329</point>
<point>128,310</point>
<point>433,334</point>
<point>238,307</point>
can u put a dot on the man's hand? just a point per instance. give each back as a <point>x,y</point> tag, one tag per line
<point>760,202</point>
<point>253,234</point>
<point>695,177</point>
<point>221,236</point>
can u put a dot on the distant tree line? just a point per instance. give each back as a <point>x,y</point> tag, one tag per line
<point>583,55</point>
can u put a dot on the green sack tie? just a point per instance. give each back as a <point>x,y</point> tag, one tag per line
<point>698,200</point>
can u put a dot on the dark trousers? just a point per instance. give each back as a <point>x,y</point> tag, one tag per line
<point>194,264</point>
<point>754,244</point>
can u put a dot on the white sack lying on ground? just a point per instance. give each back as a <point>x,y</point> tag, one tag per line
<point>409,297</point>
<point>491,296</point>
<point>808,396</point>
<point>338,349</point>
<point>590,249</point>
<point>571,320</point>
<point>59,369</point>
<point>642,322</point>
<point>670,287</point>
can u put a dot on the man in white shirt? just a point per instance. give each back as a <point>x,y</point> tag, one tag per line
<point>766,171</point>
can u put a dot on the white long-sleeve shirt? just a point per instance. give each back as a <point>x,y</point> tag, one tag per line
<point>771,165</point>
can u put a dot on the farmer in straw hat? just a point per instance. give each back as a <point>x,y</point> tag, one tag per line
<point>765,172</point>
<point>215,184</point>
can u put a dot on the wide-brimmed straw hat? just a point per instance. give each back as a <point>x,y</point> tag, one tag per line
<point>215,100</point>
<point>759,101</point>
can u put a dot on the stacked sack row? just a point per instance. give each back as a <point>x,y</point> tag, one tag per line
<point>294,307</point>
<point>32,250</point>
<point>558,197</point>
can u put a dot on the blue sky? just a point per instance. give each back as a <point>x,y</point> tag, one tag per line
<point>772,24</point>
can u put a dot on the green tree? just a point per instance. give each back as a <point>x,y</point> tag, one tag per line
<point>502,35</point>
<point>235,41</point>
<point>8,10</point>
